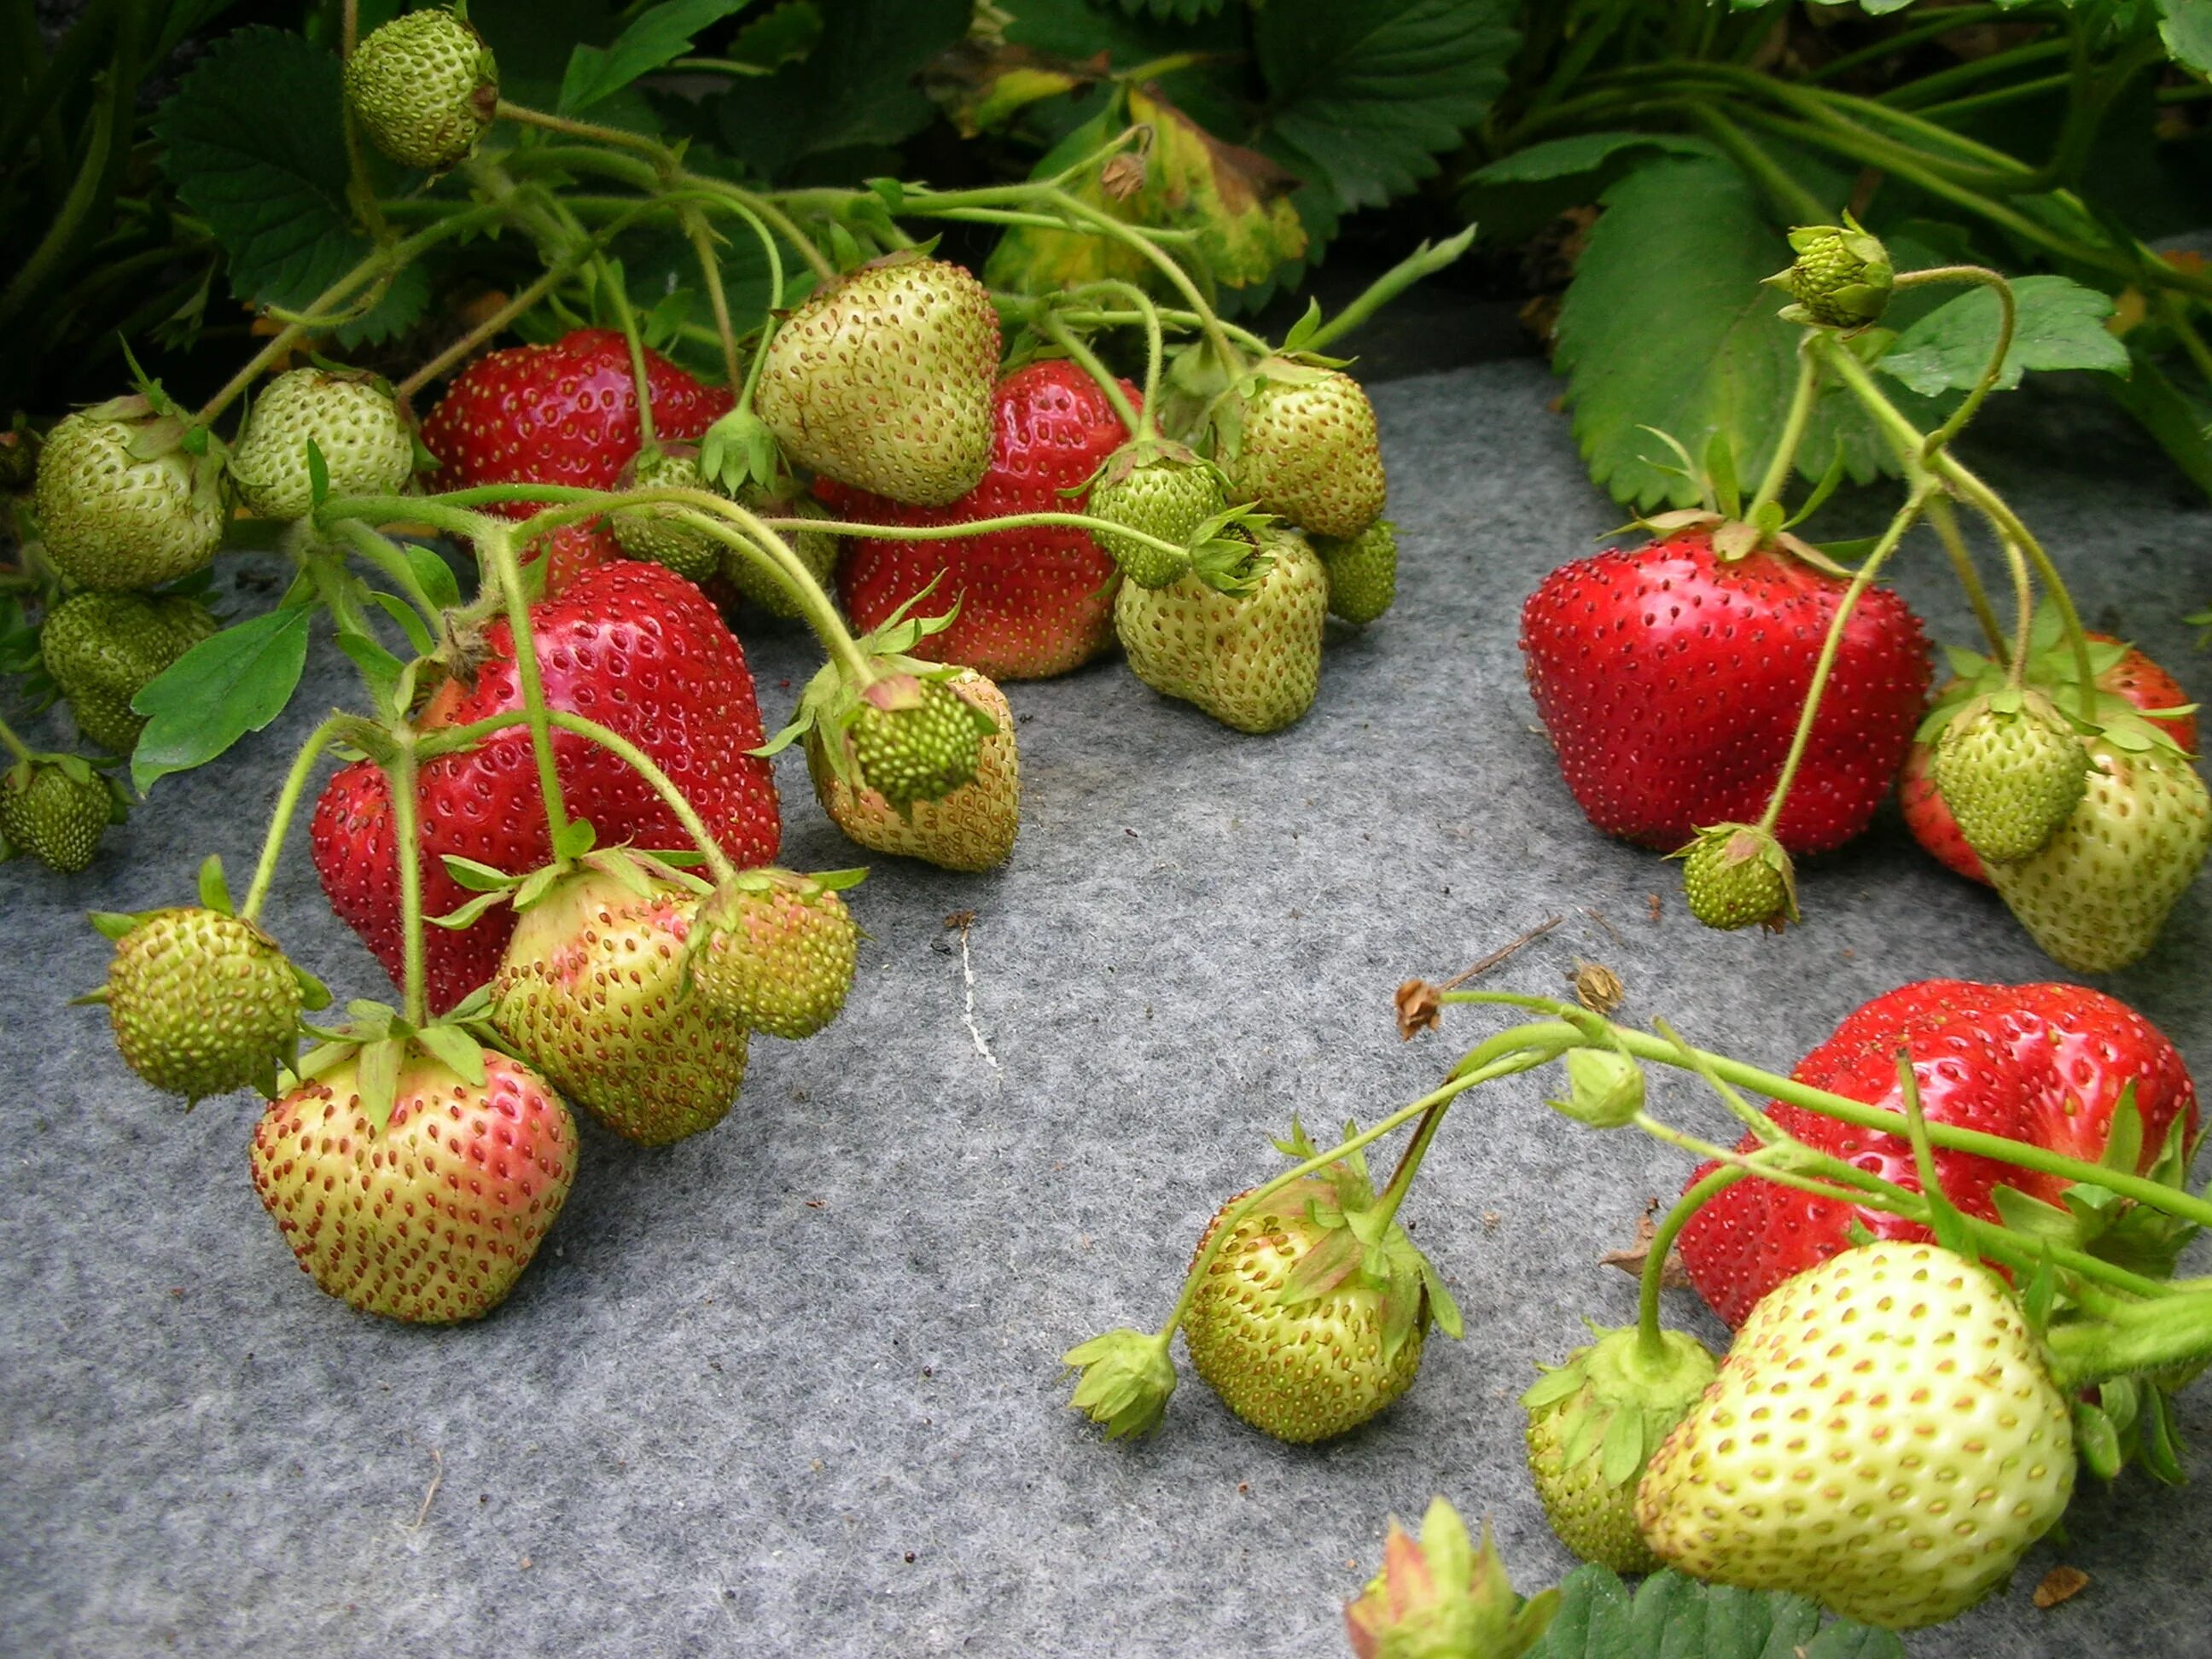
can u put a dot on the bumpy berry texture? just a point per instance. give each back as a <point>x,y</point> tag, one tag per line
<point>1162,496</point>
<point>1671,682</point>
<point>592,991</point>
<point>1882,1438</point>
<point>2096,894</point>
<point>646,532</point>
<point>1308,450</point>
<point>1733,878</point>
<point>1841,277</point>
<point>1363,571</point>
<point>1253,662</point>
<point>103,648</point>
<point>882,381</point>
<point>2044,1064</point>
<point>923,751</point>
<point>56,811</point>
<point>424,88</point>
<point>560,414</point>
<point>365,444</point>
<point>816,549</point>
<point>1301,1373</point>
<point>432,1218</point>
<point>2132,676</point>
<point>971,828</point>
<point>777,957</point>
<point>1572,1439</point>
<point>109,518</point>
<point>2010,778</point>
<point>202,1002</point>
<point>633,647</point>
<point>1033,602</point>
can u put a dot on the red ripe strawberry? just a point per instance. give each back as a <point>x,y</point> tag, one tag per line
<point>1671,679</point>
<point>1033,602</point>
<point>632,646</point>
<point>2042,1064</point>
<point>570,551</point>
<point>560,414</point>
<point>2134,677</point>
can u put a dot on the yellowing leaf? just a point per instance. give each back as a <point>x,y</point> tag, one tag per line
<point>1237,200</point>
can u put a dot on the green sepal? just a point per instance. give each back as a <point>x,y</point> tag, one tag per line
<point>377,1079</point>
<point>214,891</point>
<point>457,1048</point>
<point>114,924</point>
<point>1127,1379</point>
<point>2097,1441</point>
<point>1622,1455</point>
<point>1323,1269</point>
<point>314,995</point>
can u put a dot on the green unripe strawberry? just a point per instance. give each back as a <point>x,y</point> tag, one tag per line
<point>121,504</point>
<point>203,1003</point>
<point>2012,772</point>
<point>351,419</point>
<point>1883,1436</point>
<point>883,379</point>
<point>971,828</point>
<point>103,648</point>
<point>816,550</point>
<point>1593,1426</point>
<point>916,740</point>
<point>1737,875</point>
<point>424,87</point>
<point>1252,660</point>
<point>1292,1328</point>
<point>1303,446</point>
<point>1841,278</point>
<point>2095,895</point>
<point>55,807</point>
<point>1162,490</point>
<point>592,991</point>
<point>650,531</point>
<point>774,952</point>
<point>1363,571</point>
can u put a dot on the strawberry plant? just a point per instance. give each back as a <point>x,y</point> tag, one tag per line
<point>1955,1291</point>
<point>554,822</point>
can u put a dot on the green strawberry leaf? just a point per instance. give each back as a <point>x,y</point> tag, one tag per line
<point>2185,26</point>
<point>1363,98</point>
<point>2178,421</point>
<point>853,90</point>
<point>1585,152</point>
<point>268,175</point>
<point>2060,324</point>
<point>655,37</point>
<point>231,684</point>
<point>1666,325</point>
<point>380,668</point>
<point>1597,1618</point>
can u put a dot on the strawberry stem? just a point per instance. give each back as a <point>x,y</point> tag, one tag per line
<point>1945,522</point>
<point>1087,360</point>
<point>626,319</point>
<point>497,541</point>
<point>904,532</point>
<point>1985,499</point>
<point>2007,317</point>
<point>710,272</point>
<point>1802,738</point>
<point>1650,1336</point>
<point>662,156</point>
<point>1778,467</point>
<point>16,744</point>
<point>399,770</point>
<point>287,802</point>
<point>2130,1339</point>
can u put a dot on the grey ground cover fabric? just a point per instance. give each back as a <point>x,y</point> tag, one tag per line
<point>790,1388</point>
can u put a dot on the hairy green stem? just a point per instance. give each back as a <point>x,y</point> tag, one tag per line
<point>14,744</point>
<point>1801,396</point>
<point>287,803</point>
<point>1087,360</point>
<point>1946,525</point>
<point>2007,317</point>
<point>399,771</point>
<point>1649,1340</point>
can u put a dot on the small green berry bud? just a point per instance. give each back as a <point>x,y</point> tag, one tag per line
<point>424,87</point>
<point>1735,875</point>
<point>1604,1090</point>
<point>1125,1383</point>
<point>1842,276</point>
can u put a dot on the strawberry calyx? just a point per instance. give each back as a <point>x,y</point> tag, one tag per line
<point>1124,1380</point>
<point>641,873</point>
<point>1739,875</point>
<point>2053,670</point>
<point>1840,279</point>
<point>1444,1595</point>
<point>382,1047</point>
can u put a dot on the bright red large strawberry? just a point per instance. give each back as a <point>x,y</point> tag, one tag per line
<point>1033,602</point>
<point>2133,677</point>
<point>559,414</point>
<point>632,646</point>
<point>2044,1064</point>
<point>1671,679</point>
